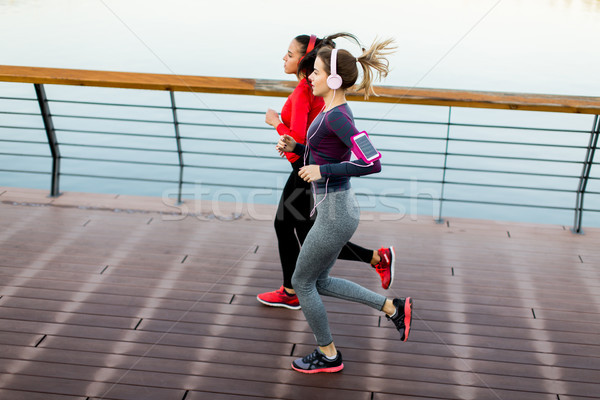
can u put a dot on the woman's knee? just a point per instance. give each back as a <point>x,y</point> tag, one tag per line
<point>301,283</point>
<point>323,284</point>
<point>297,282</point>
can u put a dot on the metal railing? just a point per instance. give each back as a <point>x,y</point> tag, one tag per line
<point>179,137</point>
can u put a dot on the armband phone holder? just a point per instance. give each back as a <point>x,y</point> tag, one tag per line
<point>363,148</point>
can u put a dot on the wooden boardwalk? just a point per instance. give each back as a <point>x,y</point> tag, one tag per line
<point>105,297</point>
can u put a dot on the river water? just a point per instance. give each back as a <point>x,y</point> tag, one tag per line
<point>533,46</point>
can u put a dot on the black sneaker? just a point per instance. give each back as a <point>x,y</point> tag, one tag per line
<point>316,362</point>
<point>403,317</point>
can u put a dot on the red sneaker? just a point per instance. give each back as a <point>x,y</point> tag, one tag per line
<point>279,298</point>
<point>385,268</point>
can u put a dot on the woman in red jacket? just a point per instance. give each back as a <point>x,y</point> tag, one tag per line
<point>293,220</point>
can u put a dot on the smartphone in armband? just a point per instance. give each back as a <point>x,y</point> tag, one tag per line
<point>363,148</point>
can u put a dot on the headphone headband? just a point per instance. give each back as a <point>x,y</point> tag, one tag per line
<point>311,44</point>
<point>309,47</point>
<point>333,66</point>
<point>334,81</point>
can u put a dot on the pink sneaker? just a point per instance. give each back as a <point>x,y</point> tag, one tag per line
<point>385,268</point>
<point>279,298</point>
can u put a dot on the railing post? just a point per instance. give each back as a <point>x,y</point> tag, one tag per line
<point>178,141</point>
<point>585,174</point>
<point>440,220</point>
<point>52,142</point>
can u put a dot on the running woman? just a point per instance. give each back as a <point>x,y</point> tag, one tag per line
<point>293,220</point>
<point>329,169</point>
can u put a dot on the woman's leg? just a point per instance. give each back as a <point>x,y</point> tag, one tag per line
<point>303,204</point>
<point>382,260</point>
<point>292,223</point>
<point>354,252</point>
<point>286,221</point>
<point>336,222</point>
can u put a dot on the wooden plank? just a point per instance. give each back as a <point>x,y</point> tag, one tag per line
<point>88,242</point>
<point>252,381</point>
<point>235,365</point>
<point>128,80</point>
<point>441,322</point>
<point>127,349</point>
<point>200,395</point>
<point>176,359</point>
<point>87,320</point>
<point>151,385</point>
<point>225,283</point>
<point>195,291</point>
<point>84,389</point>
<point>256,316</point>
<point>18,338</point>
<point>165,349</point>
<point>8,394</point>
<point>267,274</point>
<point>424,289</point>
<point>263,87</point>
<point>449,252</point>
<point>233,333</point>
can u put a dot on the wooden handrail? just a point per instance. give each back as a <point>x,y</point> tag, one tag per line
<point>264,87</point>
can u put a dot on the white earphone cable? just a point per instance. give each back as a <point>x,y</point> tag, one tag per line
<point>314,191</point>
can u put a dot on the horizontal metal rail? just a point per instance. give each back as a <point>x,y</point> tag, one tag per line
<point>131,148</point>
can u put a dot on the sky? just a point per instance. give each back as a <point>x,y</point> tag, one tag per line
<point>534,46</point>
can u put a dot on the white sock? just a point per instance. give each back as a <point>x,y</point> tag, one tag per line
<point>328,358</point>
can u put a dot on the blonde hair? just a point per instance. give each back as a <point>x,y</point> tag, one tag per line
<point>373,61</point>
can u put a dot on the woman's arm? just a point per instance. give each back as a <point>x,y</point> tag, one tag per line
<point>342,125</point>
<point>287,144</point>
<point>272,118</point>
<point>299,110</point>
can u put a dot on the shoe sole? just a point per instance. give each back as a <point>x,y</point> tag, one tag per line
<point>282,305</point>
<point>392,264</point>
<point>408,304</point>
<point>317,371</point>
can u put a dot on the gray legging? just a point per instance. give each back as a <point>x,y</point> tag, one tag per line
<point>337,219</point>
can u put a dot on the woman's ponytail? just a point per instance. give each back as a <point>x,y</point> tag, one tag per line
<point>374,60</point>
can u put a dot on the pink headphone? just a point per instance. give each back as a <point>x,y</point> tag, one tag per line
<point>334,81</point>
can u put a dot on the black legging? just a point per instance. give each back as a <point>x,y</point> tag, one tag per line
<point>293,221</point>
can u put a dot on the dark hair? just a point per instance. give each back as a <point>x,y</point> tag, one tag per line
<point>371,59</point>
<point>307,63</point>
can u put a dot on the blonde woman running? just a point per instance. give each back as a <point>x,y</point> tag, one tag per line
<point>328,168</point>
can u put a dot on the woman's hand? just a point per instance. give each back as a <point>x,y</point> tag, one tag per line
<point>310,173</point>
<point>286,144</point>
<point>272,118</point>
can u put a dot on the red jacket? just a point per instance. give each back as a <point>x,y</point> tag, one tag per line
<point>298,112</point>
